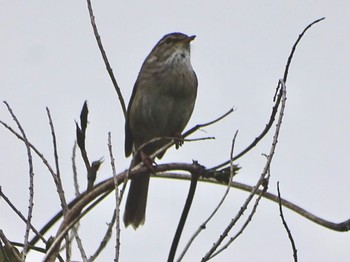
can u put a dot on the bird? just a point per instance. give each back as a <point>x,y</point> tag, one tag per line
<point>160,106</point>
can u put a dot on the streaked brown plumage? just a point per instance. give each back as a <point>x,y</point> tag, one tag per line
<point>161,104</point>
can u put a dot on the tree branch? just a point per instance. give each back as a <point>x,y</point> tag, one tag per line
<point>295,252</point>
<point>31,182</point>
<point>105,58</point>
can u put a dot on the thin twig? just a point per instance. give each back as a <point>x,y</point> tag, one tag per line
<point>289,61</point>
<point>290,236</point>
<point>105,187</point>
<point>248,220</point>
<point>204,224</point>
<point>13,207</point>
<point>40,155</point>
<point>77,193</point>
<point>260,182</point>
<point>31,182</point>
<point>184,139</point>
<point>74,215</point>
<point>46,163</point>
<point>257,139</point>
<point>275,107</point>
<point>105,239</point>
<point>79,242</point>
<point>52,251</point>
<point>186,134</point>
<point>102,189</point>
<point>343,226</point>
<point>34,248</point>
<point>117,200</point>
<point>74,168</point>
<point>195,128</point>
<point>58,181</point>
<point>10,251</point>
<point>68,247</point>
<point>187,206</point>
<point>105,58</point>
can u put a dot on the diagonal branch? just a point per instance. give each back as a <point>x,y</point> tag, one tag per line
<point>186,209</point>
<point>31,182</point>
<point>57,175</point>
<point>204,224</point>
<point>286,225</point>
<point>260,182</point>
<point>105,58</point>
<point>277,102</point>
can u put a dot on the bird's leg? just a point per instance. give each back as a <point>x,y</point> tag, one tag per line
<point>147,161</point>
<point>178,140</point>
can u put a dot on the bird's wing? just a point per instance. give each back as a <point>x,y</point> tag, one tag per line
<point>128,135</point>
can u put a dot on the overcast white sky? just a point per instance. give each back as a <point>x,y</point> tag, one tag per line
<point>49,57</point>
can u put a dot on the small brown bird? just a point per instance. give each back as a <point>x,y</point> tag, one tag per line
<point>161,104</point>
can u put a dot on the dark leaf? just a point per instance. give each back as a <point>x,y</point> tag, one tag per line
<point>84,117</point>
<point>80,137</point>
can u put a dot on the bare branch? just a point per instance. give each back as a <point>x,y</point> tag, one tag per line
<point>8,201</point>
<point>31,181</point>
<point>57,179</point>
<point>75,173</point>
<point>79,241</point>
<point>103,189</point>
<point>295,255</point>
<point>204,224</point>
<point>9,252</point>
<point>260,182</point>
<point>105,59</point>
<point>116,215</point>
<point>343,226</point>
<point>289,62</point>
<point>277,102</point>
<point>186,209</point>
<point>105,239</point>
<point>248,220</point>
<point>40,155</point>
<point>195,128</point>
<point>46,163</point>
<point>257,139</point>
<point>74,215</point>
<point>58,182</point>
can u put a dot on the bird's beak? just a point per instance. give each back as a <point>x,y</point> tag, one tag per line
<point>190,38</point>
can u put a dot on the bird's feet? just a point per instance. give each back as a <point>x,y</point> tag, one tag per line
<point>147,161</point>
<point>179,140</point>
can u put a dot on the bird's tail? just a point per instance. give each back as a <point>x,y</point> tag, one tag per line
<point>135,206</point>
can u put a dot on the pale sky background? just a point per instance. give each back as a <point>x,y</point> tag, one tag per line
<point>49,57</point>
